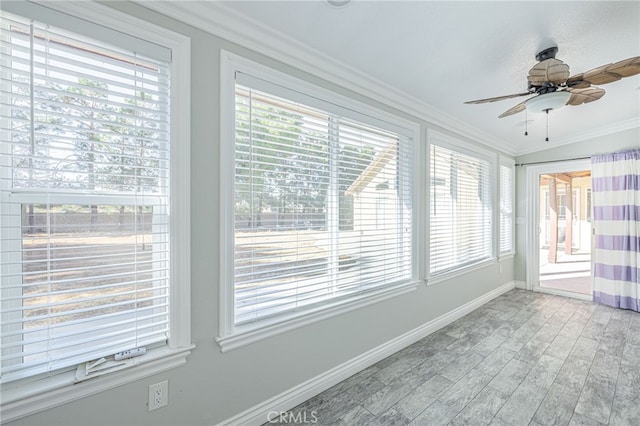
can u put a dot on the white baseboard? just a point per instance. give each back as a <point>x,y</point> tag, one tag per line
<point>257,414</point>
<point>520,284</point>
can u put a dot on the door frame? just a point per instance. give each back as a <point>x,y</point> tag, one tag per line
<point>532,264</point>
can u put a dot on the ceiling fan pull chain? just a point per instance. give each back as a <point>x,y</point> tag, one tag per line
<point>547,138</point>
<point>526,123</point>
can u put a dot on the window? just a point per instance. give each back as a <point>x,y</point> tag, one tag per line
<point>460,203</point>
<point>507,188</point>
<point>322,208</point>
<point>88,264</point>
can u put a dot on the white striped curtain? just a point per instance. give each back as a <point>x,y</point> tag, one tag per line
<point>616,216</point>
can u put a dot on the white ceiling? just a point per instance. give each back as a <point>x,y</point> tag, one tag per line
<point>445,53</point>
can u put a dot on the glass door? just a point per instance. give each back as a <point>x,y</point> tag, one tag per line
<point>564,220</point>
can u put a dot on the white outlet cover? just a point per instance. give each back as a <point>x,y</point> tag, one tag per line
<point>158,395</point>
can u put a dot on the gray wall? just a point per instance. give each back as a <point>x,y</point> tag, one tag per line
<point>213,386</point>
<point>600,145</point>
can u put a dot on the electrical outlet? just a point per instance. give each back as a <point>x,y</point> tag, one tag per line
<point>158,395</point>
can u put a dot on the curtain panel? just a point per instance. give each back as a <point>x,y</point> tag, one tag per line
<point>616,221</point>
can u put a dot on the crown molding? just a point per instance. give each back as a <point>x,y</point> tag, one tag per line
<point>217,19</point>
<point>609,129</point>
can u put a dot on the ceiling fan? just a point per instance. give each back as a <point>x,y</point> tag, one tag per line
<point>549,80</point>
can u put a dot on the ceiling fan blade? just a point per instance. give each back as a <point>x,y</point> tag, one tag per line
<point>577,81</point>
<point>584,96</point>
<point>626,67</point>
<point>550,70</point>
<point>497,98</point>
<point>513,110</point>
<point>601,75</point>
<point>605,73</point>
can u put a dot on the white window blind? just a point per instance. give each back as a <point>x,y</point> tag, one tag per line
<point>460,209</point>
<point>322,207</point>
<point>84,199</point>
<point>506,208</point>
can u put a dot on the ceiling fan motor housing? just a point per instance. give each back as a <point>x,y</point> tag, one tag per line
<point>547,53</point>
<point>547,87</point>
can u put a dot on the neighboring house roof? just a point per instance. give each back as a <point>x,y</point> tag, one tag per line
<point>379,162</point>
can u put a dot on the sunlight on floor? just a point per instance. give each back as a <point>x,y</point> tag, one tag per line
<point>570,273</point>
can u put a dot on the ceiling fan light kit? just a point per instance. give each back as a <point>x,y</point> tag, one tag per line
<point>547,101</point>
<point>338,3</point>
<point>552,86</point>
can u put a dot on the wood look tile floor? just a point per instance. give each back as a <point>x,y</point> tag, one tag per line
<point>522,359</point>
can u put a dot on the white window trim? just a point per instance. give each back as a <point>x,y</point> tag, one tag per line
<point>435,137</point>
<point>508,162</point>
<point>446,276</point>
<point>507,255</point>
<point>230,336</point>
<point>21,399</point>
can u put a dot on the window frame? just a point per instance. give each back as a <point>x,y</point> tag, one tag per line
<point>231,336</point>
<point>511,164</point>
<point>435,137</point>
<point>31,395</point>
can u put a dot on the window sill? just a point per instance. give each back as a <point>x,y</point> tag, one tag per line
<point>462,271</point>
<point>507,256</point>
<point>252,333</point>
<point>30,398</point>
